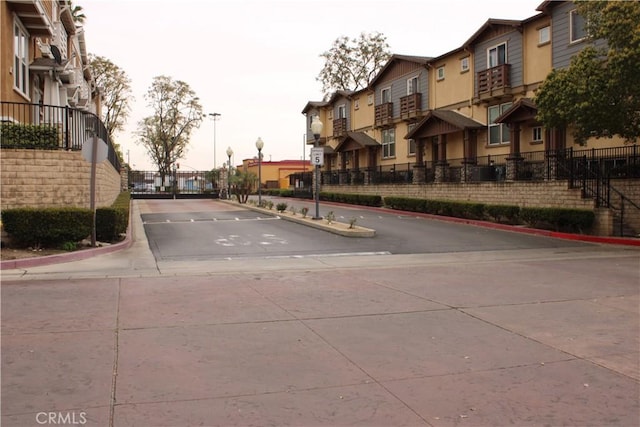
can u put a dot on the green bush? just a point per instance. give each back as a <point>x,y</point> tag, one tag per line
<point>353,199</point>
<point>43,137</point>
<point>49,226</point>
<point>559,219</point>
<point>281,207</point>
<point>113,221</point>
<point>503,213</point>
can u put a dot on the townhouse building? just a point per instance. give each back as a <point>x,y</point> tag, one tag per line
<point>467,117</point>
<point>47,92</point>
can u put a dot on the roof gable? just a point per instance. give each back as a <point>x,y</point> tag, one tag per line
<point>493,28</point>
<point>407,62</point>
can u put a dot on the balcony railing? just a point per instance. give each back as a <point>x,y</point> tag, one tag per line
<point>494,78</point>
<point>410,105</point>
<point>35,126</point>
<point>384,114</point>
<point>339,127</point>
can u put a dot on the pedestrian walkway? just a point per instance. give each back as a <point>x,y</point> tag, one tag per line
<point>489,338</point>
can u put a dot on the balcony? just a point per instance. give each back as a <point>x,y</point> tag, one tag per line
<point>410,106</point>
<point>339,127</point>
<point>384,114</point>
<point>35,15</point>
<point>494,82</point>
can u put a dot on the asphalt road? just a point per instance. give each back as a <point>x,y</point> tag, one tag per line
<point>225,231</point>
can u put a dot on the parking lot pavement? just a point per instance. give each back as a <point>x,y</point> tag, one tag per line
<point>486,338</point>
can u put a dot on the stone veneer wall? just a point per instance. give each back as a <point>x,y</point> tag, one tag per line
<point>523,194</point>
<point>53,178</point>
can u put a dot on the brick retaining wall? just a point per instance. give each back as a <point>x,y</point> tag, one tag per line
<point>53,178</point>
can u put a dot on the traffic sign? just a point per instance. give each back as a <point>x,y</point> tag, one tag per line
<point>317,156</point>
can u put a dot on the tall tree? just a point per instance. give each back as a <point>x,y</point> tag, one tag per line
<point>352,63</point>
<point>115,87</point>
<point>176,113</point>
<point>598,95</point>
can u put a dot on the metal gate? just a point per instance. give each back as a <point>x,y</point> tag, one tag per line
<point>178,184</point>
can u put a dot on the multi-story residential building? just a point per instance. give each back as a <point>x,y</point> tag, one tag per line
<point>46,87</point>
<point>467,115</point>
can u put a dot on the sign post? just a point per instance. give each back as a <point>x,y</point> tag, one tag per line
<point>95,151</point>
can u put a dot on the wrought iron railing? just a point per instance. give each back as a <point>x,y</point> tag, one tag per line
<point>51,127</point>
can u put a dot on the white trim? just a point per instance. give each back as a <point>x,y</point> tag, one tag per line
<point>571,40</point>
<point>506,54</point>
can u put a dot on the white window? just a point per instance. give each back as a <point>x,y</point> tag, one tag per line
<point>20,59</point>
<point>342,112</point>
<point>388,143</point>
<point>412,85</point>
<point>544,35</point>
<point>441,73</point>
<point>497,55</point>
<point>536,134</point>
<point>385,95</point>
<point>577,27</point>
<point>412,142</point>
<point>498,132</point>
<point>464,64</point>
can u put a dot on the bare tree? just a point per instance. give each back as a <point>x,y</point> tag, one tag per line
<point>351,64</point>
<point>176,113</point>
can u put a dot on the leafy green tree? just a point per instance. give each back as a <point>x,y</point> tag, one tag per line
<point>352,63</point>
<point>598,95</point>
<point>115,88</point>
<point>242,184</point>
<point>176,113</point>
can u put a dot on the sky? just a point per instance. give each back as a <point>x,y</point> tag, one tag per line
<point>255,62</point>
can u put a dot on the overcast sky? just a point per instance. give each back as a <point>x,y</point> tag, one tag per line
<point>256,61</point>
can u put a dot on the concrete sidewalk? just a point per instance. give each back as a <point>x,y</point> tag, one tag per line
<point>521,338</point>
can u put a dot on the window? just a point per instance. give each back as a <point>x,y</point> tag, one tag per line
<point>20,59</point>
<point>412,85</point>
<point>544,35</point>
<point>388,143</point>
<point>577,26</point>
<point>385,95</point>
<point>497,55</point>
<point>441,73</point>
<point>342,112</point>
<point>498,132</point>
<point>464,64</point>
<point>356,104</point>
<point>411,142</point>
<point>369,99</point>
<point>536,134</point>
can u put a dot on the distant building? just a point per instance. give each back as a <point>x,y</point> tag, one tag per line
<point>276,174</point>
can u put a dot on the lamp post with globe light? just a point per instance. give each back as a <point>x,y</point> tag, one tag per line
<point>316,129</point>
<point>229,154</point>
<point>259,146</point>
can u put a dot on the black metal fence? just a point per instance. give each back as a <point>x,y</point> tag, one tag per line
<point>178,182</point>
<point>38,126</point>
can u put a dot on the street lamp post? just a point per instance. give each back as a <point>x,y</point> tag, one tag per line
<point>316,129</point>
<point>229,154</point>
<point>259,145</point>
<point>215,119</point>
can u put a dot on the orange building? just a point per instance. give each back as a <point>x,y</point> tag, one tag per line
<point>276,174</point>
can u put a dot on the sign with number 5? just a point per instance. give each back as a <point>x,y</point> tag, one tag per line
<point>317,156</point>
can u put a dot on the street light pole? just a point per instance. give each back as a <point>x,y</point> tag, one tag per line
<point>229,153</point>
<point>215,119</point>
<point>259,145</point>
<point>316,129</point>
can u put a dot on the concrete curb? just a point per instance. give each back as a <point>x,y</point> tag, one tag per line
<point>339,228</point>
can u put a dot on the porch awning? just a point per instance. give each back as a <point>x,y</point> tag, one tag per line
<point>440,122</point>
<point>522,110</point>
<point>356,141</point>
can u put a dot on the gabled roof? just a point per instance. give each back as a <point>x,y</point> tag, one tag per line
<point>422,60</point>
<point>314,104</point>
<point>360,138</point>
<point>339,94</point>
<point>521,110</point>
<point>454,121</point>
<point>490,24</point>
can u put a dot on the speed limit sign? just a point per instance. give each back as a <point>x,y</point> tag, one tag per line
<point>317,156</point>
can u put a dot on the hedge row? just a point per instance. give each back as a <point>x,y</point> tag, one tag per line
<point>353,199</point>
<point>29,136</point>
<point>56,226</point>
<point>558,219</point>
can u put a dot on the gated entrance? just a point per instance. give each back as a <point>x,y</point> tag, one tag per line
<point>179,184</point>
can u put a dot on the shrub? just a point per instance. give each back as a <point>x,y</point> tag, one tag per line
<point>281,207</point>
<point>49,226</point>
<point>503,213</point>
<point>304,211</point>
<point>354,199</point>
<point>16,135</point>
<point>558,219</point>
<point>113,221</point>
